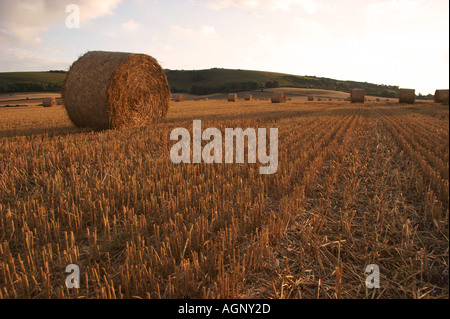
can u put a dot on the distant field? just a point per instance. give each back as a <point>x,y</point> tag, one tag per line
<point>25,99</point>
<point>297,94</point>
<point>356,185</point>
<point>205,82</point>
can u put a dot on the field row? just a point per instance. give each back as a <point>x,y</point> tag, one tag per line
<point>355,185</point>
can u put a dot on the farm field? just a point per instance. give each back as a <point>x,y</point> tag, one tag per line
<point>357,184</point>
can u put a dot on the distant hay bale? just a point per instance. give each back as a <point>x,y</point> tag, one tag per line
<point>178,97</point>
<point>441,96</point>
<point>378,100</point>
<point>49,102</point>
<point>330,99</point>
<point>248,97</point>
<point>104,90</point>
<point>407,96</point>
<point>59,101</point>
<point>232,97</point>
<point>310,98</point>
<point>278,97</point>
<point>319,99</point>
<point>358,96</point>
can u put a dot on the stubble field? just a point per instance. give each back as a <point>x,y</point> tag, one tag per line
<point>357,184</point>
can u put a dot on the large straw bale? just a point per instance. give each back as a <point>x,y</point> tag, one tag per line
<point>115,89</point>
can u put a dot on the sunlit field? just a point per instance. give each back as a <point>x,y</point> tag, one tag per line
<point>357,184</point>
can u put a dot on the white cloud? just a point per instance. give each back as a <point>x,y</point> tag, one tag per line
<point>205,31</point>
<point>208,30</point>
<point>14,59</point>
<point>25,20</point>
<point>309,6</point>
<point>130,25</point>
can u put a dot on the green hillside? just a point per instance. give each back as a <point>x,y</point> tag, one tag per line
<point>202,82</point>
<point>50,81</point>
<point>226,80</point>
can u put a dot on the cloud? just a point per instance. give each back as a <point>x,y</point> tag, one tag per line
<point>205,31</point>
<point>309,6</point>
<point>130,25</point>
<point>25,20</point>
<point>208,30</point>
<point>14,59</point>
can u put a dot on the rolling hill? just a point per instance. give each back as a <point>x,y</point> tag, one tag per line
<point>202,82</point>
<point>50,81</point>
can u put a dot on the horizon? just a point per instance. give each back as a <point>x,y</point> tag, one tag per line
<point>190,70</point>
<point>386,42</point>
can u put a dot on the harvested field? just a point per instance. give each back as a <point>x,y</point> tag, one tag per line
<point>355,186</point>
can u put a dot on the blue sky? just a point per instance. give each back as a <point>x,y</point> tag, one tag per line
<point>399,42</point>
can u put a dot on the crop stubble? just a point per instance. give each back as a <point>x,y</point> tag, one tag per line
<point>355,185</point>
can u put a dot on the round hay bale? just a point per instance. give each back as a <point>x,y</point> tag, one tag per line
<point>441,96</point>
<point>358,96</point>
<point>248,97</point>
<point>178,98</point>
<point>49,102</point>
<point>104,90</point>
<point>407,96</point>
<point>59,101</point>
<point>278,97</point>
<point>232,97</point>
<point>310,98</point>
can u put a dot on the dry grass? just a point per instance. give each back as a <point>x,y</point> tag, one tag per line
<point>354,186</point>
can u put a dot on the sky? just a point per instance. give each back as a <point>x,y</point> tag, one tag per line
<point>394,42</point>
